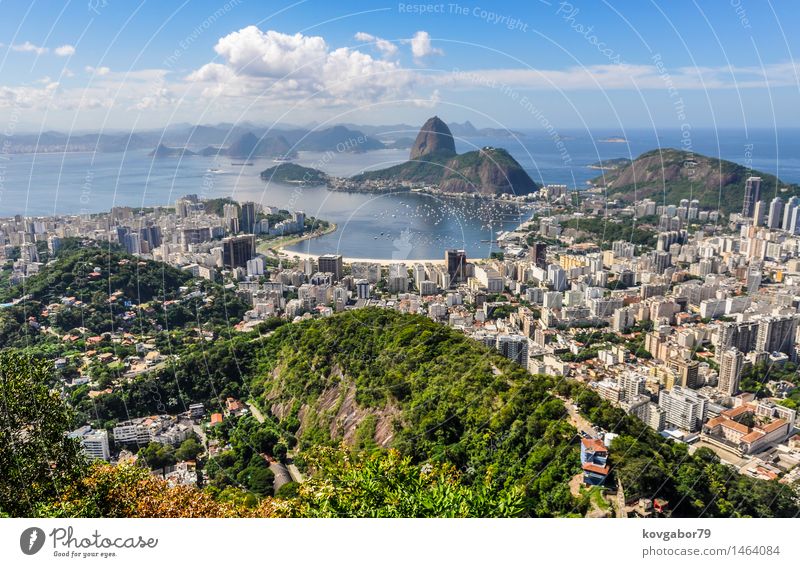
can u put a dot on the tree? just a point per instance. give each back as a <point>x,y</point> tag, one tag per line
<point>130,491</point>
<point>288,490</point>
<point>260,480</point>
<point>157,455</point>
<point>388,485</point>
<point>279,451</point>
<point>37,459</point>
<point>189,450</point>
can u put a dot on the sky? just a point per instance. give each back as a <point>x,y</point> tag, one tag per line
<point>102,65</point>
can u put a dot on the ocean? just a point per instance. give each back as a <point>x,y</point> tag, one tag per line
<point>402,225</point>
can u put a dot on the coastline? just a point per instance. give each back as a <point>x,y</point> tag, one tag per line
<point>291,254</point>
<point>277,246</point>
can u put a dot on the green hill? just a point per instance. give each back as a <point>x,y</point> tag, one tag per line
<point>294,174</point>
<point>670,175</point>
<point>433,424</point>
<point>379,379</point>
<point>163,151</point>
<point>489,171</point>
<point>101,288</point>
<point>433,160</point>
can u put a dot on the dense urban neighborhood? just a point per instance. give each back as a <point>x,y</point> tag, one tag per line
<point>643,341</point>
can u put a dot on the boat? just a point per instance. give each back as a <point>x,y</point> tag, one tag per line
<point>281,159</point>
<point>214,170</point>
<point>243,163</point>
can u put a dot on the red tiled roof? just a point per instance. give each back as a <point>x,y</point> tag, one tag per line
<point>735,412</point>
<point>594,445</point>
<point>599,469</point>
<point>773,425</point>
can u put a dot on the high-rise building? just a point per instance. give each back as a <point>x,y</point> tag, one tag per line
<point>683,408</point>
<point>752,194</point>
<point>730,370</point>
<point>255,267</point>
<point>791,205</point>
<point>777,334</point>
<point>456,261</point>
<point>185,205</point>
<point>794,220</point>
<point>538,254</point>
<point>362,289</point>
<point>331,263</point>
<point>514,347</point>
<point>94,443</point>
<point>247,217</point>
<point>631,384</point>
<point>686,372</point>
<point>557,277</point>
<point>741,336</point>
<point>237,250</point>
<point>53,244</point>
<point>759,213</point>
<point>775,213</point>
<point>152,234</point>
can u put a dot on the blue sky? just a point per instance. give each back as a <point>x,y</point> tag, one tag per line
<point>615,64</point>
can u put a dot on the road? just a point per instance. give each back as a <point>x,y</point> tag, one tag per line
<point>201,434</point>
<point>256,412</point>
<point>281,472</point>
<point>621,513</point>
<point>282,475</point>
<point>577,420</point>
<point>297,476</point>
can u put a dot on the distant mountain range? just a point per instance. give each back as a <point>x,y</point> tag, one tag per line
<point>207,140</point>
<point>669,175</point>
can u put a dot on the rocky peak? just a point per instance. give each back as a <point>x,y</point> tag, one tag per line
<point>433,137</point>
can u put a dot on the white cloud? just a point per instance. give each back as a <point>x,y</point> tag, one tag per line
<point>386,47</point>
<point>28,47</point>
<point>65,50</point>
<point>625,77</point>
<point>99,71</point>
<point>289,67</point>
<point>421,45</point>
<point>162,97</point>
<point>28,97</point>
<point>271,54</point>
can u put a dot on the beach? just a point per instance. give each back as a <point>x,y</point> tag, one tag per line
<point>291,254</point>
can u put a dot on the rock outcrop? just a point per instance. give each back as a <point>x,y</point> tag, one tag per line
<point>434,138</point>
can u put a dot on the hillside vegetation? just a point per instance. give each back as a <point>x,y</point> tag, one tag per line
<point>100,288</point>
<point>669,175</point>
<point>389,415</point>
<point>488,171</point>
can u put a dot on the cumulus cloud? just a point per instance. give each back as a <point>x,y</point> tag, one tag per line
<point>99,71</point>
<point>28,97</point>
<point>29,47</point>
<point>386,47</point>
<point>278,65</point>
<point>162,97</point>
<point>421,46</point>
<point>65,50</point>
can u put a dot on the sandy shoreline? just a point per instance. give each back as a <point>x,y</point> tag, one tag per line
<point>348,260</point>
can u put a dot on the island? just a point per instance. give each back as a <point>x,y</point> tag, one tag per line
<point>610,164</point>
<point>295,174</point>
<point>163,151</point>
